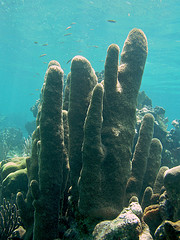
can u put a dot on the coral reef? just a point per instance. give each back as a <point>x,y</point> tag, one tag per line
<point>169,139</point>
<point>109,145</point>
<point>152,217</point>
<point>153,163</point>
<point>34,108</point>
<point>46,191</point>
<point>141,153</point>
<point>83,80</point>
<point>9,219</point>
<point>47,156</point>
<point>27,148</point>
<point>13,174</point>
<point>159,181</point>
<point>128,225</point>
<point>168,230</point>
<point>66,93</point>
<point>107,149</point>
<point>30,127</point>
<point>171,183</point>
<point>146,199</point>
<point>47,166</point>
<point>99,138</point>
<point>85,166</point>
<point>11,142</point>
<point>172,145</point>
<point>143,100</point>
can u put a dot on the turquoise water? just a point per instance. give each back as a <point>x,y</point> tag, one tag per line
<point>32,28</point>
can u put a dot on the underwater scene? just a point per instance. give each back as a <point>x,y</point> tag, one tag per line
<point>90,120</point>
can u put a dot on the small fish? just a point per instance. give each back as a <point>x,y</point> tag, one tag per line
<point>73,23</point>
<point>31,94</point>
<point>93,46</point>
<point>45,44</point>
<point>37,89</point>
<point>45,62</point>
<point>68,28</point>
<point>35,42</point>
<point>112,21</point>
<point>69,60</point>
<point>67,34</point>
<point>42,55</point>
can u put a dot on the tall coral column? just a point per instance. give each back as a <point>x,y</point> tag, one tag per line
<point>47,192</point>
<point>112,153</point>
<point>83,80</point>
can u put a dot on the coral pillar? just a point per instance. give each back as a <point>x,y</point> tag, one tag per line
<point>47,194</point>
<point>90,191</point>
<point>153,163</point>
<point>83,80</point>
<point>140,156</point>
<point>112,154</point>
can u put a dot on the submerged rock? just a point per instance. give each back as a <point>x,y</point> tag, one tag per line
<point>126,226</point>
<point>171,183</point>
<point>13,176</point>
<point>168,231</point>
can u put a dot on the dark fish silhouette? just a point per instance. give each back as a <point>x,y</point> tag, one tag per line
<point>112,21</point>
<point>67,34</point>
<point>69,60</point>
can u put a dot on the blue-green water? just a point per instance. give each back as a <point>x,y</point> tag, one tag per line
<point>30,28</point>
